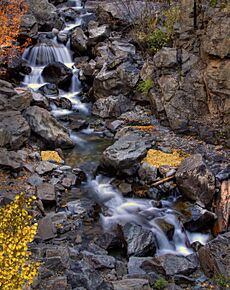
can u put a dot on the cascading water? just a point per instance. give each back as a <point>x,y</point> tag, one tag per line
<point>141,211</point>
<point>120,210</point>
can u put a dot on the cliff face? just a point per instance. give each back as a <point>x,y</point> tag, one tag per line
<point>192,84</point>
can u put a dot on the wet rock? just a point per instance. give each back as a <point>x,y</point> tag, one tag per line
<point>82,208</point>
<point>125,153</point>
<point>15,129</point>
<point>125,188</point>
<point>135,284</point>
<point>48,128</point>
<point>214,256</point>
<point>195,180</point>
<point>141,242</point>
<point>28,27</point>
<point>147,172</point>
<point>62,37</point>
<point>171,265</point>
<point>46,192</point>
<point>57,73</point>
<point>10,159</point>
<point>117,81</point>
<point>201,219</point>
<point>49,90</point>
<point>46,230</point>
<point>63,103</point>
<point>165,226</point>
<point>77,125</point>
<point>45,167</point>
<point>112,107</point>
<point>79,40</point>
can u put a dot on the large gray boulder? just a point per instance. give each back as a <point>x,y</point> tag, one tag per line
<point>45,14</point>
<point>57,73</point>
<point>215,256</point>
<point>29,27</point>
<point>14,129</point>
<point>140,242</point>
<point>44,125</point>
<point>78,40</point>
<point>112,107</point>
<point>117,81</point>
<point>195,180</point>
<point>125,154</point>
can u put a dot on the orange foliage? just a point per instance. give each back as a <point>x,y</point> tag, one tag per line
<point>11,12</point>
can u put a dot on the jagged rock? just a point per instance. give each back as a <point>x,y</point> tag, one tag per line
<point>45,126</point>
<point>79,40</point>
<point>46,192</point>
<point>10,159</point>
<point>214,256</point>
<point>57,73</point>
<point>14,128</point>
<point>45,167</point>
<point>166,58</point>
<point>171,265</point>
<point>141,242</point>
<point>39,100</point>
<point>63,103</point>
<point>201,219</point>
<point>45,14</point>
<point>117,81</point>
<point>99,261</point>
<point>216,40</point>
<point>28,27</point>
<point>135,265</point>
<point>48,90</point>
<point>125,154</point>
<point>97,33</point>
<point>46,230</point>
<point>112,106</point>
<point>147,172</point>
<point>195,180</point>
<point>57,283</point>
<point>134,284</point>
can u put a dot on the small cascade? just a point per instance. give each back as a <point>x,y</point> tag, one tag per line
<point>140,211</point>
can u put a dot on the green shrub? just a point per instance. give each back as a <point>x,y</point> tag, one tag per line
<point>157,39</point>
<point>160,283</point>
<point>145,86</point>
<point>221,281</point>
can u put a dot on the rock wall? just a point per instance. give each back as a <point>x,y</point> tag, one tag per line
<point>192,85</point>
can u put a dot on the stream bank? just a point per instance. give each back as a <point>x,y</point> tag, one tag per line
<point>102,222</point>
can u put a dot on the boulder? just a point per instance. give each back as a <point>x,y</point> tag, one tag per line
<point>99,261</point>
<point>44,167</point>
<point>10,160</point>
<point>44,125</point>
<point>147,172</point>
<point>140,242</point>
<point>57,73</point>
<point>39,100</point>
<point>112,107</point>
<point>46,192</point>
<point>14,129</point>
<point>166,58</point>
<point>45,14</point>
<point>195,180</point>
<point>98,33</point>
<point>216,40</point>
<point>78,40</point>
<point>171,265</point>
<point>48,90</point>
<point>28,27</point>
<point>134,284</point>
<point>214,257</point>
<point>117,81</point>
<point>125,154</point>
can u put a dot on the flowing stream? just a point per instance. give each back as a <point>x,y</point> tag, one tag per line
<point>89,148</point>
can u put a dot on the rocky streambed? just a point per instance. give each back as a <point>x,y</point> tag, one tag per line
<point>123,202</point>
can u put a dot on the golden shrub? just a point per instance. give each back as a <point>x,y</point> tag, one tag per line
<point>16,232</point>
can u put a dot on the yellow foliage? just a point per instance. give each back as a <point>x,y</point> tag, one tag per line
<point>143,128</point>
<point>51,156</point>
<point>158,158</point>
<point>16,232</point>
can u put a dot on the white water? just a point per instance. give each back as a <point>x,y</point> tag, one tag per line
<point>140,211</point>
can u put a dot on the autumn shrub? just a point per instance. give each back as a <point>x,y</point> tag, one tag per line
<point>17,230</point>
<point>11,12</point>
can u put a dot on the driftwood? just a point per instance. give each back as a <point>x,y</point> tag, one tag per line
<point>163,180</point>
<point>222,208</point>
